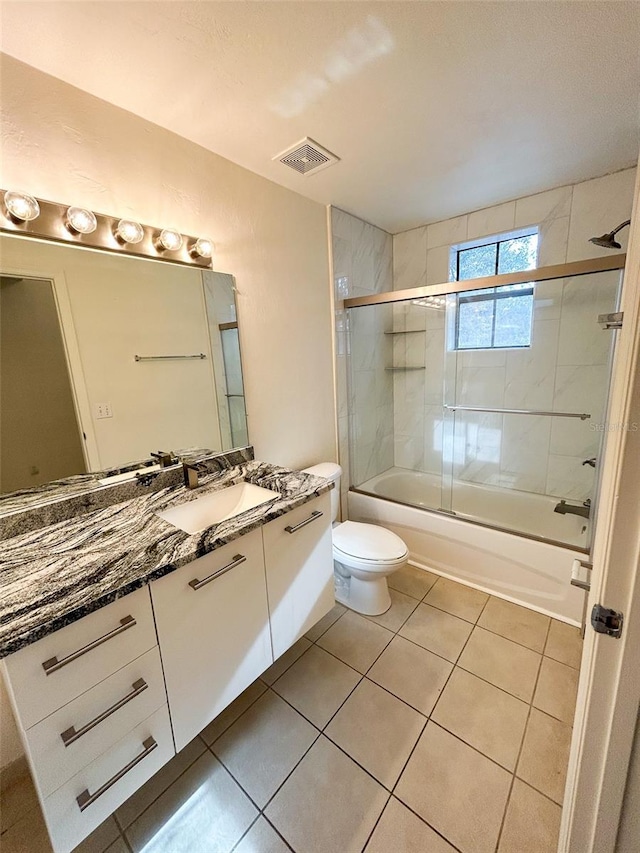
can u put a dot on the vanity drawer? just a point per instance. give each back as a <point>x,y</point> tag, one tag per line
<point>108,782</point>
<point>72,737</point>
<point>87,651</point>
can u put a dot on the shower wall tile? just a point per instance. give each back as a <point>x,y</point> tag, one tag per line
<point>382,261</point>
<point>409,452</point>
<point>433,439</point>
<point>342,265</point>
<point>481,386</point>
<point>477,446</point>
<point>581,388</point>
<point>553,237</point>
<point>572,437</point>
<point>568,478</point>
<point>491,220</point>
<point>566,368</point>
<point>481,358</point>
<point>434,364</point>
<point>410,258</point>
<point>446,232</point>
<point>525,443</point>
<point>438,265</point>
<point>363,249</point>
<point>547,302</point>
<point>582,341</point>
<point>551,204</point>
<point>530,372</point>
<point>598,206</point>
<point>362,264</point>
<point>341,223</point>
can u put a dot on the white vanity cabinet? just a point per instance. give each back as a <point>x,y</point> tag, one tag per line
<point>213,627</point>
<point>91,698</point>
<point>299,563</point>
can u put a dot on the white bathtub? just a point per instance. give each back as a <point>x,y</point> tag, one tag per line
<point>536,574</point>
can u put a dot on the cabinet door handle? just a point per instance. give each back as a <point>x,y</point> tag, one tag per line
<point>53,664</point>
<point>315,514</point>
<point>85,799</point>
<point>71,735</point>
<point>196,584</point>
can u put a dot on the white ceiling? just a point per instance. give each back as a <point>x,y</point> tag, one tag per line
<point>435,108</point>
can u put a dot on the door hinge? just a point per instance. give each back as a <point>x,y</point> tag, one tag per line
<point>611,321</point>
<point>607,621</point>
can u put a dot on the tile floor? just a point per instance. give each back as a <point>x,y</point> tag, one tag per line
<point>442,725</point>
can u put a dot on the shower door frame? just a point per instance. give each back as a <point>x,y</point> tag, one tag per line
<point>449,289</point>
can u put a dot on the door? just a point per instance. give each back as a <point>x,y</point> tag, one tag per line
<point>299,563</point>
<point>609,691</point>
<point>213,628</point>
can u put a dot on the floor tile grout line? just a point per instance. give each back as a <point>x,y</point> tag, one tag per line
<point>455,664</point>
<point>524,735</point>
<point>393,790</point>
<point>375,825</point>
<point>261,809</point>
<point>123,828</point>
<point>246,832</point>
<point>279,834</point>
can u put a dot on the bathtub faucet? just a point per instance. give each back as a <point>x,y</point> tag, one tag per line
<point>571,509</point>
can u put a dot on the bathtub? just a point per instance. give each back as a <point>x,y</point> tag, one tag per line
<point>523,570</point>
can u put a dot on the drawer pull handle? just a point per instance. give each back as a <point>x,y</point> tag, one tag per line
<point>85,799</point>
<point>315,514</point>
<point>196,584</point>
<point>71,735</point>
<point>53,664</point>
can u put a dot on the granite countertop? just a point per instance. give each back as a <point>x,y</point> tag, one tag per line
<point>57,574</point>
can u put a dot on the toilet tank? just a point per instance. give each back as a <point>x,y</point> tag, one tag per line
<point>330,471</point>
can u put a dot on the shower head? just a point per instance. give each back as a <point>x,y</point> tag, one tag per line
<point>607,240</point>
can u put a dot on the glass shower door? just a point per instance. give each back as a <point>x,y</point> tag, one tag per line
<point>525,421</point>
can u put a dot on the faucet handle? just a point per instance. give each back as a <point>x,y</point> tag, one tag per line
<point>163,458</point>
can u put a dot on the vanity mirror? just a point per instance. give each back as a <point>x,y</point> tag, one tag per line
<point>105,358</point>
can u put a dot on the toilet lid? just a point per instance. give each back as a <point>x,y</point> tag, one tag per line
<point>368,541</point>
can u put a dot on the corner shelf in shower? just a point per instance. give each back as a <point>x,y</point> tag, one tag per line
<point>406,332</point>
<point>405,368</point>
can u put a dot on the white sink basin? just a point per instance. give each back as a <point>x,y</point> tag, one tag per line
<point>219,506</point>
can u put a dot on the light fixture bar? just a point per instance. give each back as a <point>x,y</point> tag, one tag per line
<point>52,223</point>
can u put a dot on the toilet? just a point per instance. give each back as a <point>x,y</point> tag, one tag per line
<point>364,555</point>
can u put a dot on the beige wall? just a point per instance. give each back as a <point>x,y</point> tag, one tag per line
<point>64,145</point>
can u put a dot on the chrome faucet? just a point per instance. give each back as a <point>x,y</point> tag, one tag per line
<point>571,509</point>
<point>190,473</point>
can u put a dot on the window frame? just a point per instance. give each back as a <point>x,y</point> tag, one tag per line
<point>474,296</point>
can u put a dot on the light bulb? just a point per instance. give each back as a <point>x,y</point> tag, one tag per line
<point>202,248</point>
<point>81,221</point>
<point>169,240</point>
<point>128,231</point>
<point>21,206</point>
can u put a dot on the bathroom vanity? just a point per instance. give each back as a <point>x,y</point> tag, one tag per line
<point>123,636</point>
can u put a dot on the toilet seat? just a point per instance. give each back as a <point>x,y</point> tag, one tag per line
<point>368,546</point>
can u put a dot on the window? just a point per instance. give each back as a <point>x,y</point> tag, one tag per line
<point>496,317</point>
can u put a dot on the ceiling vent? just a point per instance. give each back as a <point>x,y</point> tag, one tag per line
<point>307,157</point>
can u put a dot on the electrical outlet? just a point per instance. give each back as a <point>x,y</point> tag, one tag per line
<point>104,410</point>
